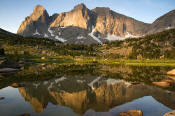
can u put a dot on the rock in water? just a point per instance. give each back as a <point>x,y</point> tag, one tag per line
<point>8,70</point>
<point>170,113</point>
<point>162,84</point>
<point>9,64</point>
<point>132,113</point>
<point>1,98</point>
<point>172,72</point>
<point>17,85</point>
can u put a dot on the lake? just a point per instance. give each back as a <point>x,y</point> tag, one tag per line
<point>86,90</point>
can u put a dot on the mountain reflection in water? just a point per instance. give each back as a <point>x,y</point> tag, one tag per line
<point>91,93</point>
<point>81,94</point>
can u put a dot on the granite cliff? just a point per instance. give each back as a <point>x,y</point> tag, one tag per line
<point>84,26</point>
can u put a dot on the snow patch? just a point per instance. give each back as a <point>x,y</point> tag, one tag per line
<point>95,38</point>
<point>113,82</point>
<point>169,28</point>
<point>46,82</point>
<point>36,33</point>
<point>46,36</point>
<point>59,33</point>
<point>94,81</point>
<point>60,79</point>
<point>80,37</point>
<point>51,32</point>
<point>113,38</point>
<point>60,39</point>
<point>80,81</point>
<point>128,35</point>
<point>50,86</point>
<point>36,84</point>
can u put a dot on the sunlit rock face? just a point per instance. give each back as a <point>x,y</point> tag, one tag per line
<point>35,24</point>
<point>84,26</point>
<point>76,100</point>
<point>80,16</point>
<point>37,105</point>
<point>81,93</point>
<point>109,22</point>
<point>94,26</point>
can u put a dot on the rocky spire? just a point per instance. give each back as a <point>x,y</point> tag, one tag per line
<point>38,20</point>
<point>80,7</point>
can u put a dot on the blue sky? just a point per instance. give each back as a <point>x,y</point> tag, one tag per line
<point>13,12</point>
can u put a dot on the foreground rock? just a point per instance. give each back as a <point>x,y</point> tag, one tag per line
<point>10,64</point>
<point>172,77</point>
<point>172,72</point>
<point>8,70</point>
<point>17,85</point>
<point>164,84</point>
<point>170,113</point>
<point>1,98</point>
<point>132,113</point>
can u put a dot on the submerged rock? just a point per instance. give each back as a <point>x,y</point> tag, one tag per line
<point>170,113</point>
<point>8,70</point>
<point>132,113</point>
<point>1,98</point>
<point>172,72</point>
<point>17,85</point>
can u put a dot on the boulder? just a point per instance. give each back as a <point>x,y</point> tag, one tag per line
<point>2,51</point>
<point>132,113</point>
<point>172,72</point>
<point>8,70</point>
<point>17,85</point>
<point>170,113</point>
<point>9,64</point>
<point>1,98</point>
<point>43,58</point>
<point>162,84</point>
<point>172,77</point>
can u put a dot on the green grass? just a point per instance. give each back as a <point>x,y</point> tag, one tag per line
<point>91,60</point>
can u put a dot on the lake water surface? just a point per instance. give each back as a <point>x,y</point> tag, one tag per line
<point>86,90</point>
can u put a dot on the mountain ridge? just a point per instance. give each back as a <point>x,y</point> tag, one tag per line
<point>97,25</point>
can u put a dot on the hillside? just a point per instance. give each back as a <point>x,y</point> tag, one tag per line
<point>156,46</point>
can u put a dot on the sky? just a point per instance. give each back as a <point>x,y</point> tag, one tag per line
<point>13,12</point>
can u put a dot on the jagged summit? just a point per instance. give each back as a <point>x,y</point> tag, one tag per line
<point>37,22</point>
<point>84,26</point>
<point>39,8</point>
<point>80,6</point>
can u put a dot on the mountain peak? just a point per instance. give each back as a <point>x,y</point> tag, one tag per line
<point>38,12</point>
<point>80,6</point>
<point>39,8</point>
